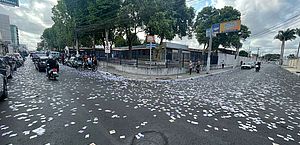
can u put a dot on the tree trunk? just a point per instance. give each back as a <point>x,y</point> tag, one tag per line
<point>237,56</point>
<point>282,52</point>
<point>129,40</point>
<point>298,51</point>
<point>94,47</point>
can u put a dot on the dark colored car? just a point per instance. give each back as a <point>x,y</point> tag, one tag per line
<point>75,62</point>
<point>3,87</point>
<point>11,61</point>
<point>35,56</point>
<point>41,63</point>
<point>5,69</point>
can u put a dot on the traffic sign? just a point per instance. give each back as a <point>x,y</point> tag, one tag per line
<point>216,28</point>
<point>107,49</point>
<point>208,33</point>
<point>10,2</point>
<point>151,45</point>
<point>150,39</point>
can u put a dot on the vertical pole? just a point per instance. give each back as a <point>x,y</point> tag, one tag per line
<point>106,37</point>
<point>209,51</point>
<point>77,46</point>
<point>150,56</point>
<point>297,55</point>
<point>257,54</point>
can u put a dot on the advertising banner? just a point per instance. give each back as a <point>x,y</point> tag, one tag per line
<point>10,2</point>
<point>230,26</point>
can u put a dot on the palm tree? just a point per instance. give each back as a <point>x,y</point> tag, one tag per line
<point>298,33</point>
<point>283,36</point>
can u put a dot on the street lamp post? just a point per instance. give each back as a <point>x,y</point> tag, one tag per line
<point>209,51</point>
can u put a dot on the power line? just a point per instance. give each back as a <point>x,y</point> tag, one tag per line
<point>273,31</point>
<point>274,27</point>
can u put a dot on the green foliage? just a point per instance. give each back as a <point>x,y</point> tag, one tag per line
<point>271,57</point>
<point>162,25</point>
<point>89,20</point>
<point>120,41</point>
<point>297,32</point>
<point>289,34</point>
<point>291,56</point>
<point>244,53</point>
<point>283,36</point>
<point>210,15</point>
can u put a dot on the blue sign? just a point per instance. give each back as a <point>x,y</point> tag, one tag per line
<point>152,46</point>
<point>216,28</point>
<point>207,32</point>
<point>10,2</point>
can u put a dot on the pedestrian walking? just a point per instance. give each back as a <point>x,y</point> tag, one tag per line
<point>223,64</point>
<point>191,67</point>
<point>63,59</point>
<point>198,67</point>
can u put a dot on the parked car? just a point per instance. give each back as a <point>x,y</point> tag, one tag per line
<point>34,57</point>
<point>3,87</point>
<point>11,61</point>
<point>19,58</point>
<point>41,63</point>
<point>247,65</point>
<point>70,61</point>
<point>5,69</point>
<point>75,62</point>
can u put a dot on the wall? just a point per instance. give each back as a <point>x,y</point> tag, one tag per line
<point>294,63</point>
<point>146,71</point>
<point>230,59</point>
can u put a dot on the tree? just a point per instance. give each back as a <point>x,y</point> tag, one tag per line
<point>291,56</point>
<point>271,57</point>
<point>298,51</point>
<point>209,16</point>
<point>129,21</point>
<point>120,41</point>
<point>283,36</point>
<point>243,53</point>
<point>169,19</point>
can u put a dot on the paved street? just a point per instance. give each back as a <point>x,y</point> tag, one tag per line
<point>238,107</point>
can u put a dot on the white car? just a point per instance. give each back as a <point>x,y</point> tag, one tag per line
<point>247,65</point>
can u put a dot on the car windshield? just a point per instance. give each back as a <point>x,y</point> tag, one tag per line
<point>150,72</point>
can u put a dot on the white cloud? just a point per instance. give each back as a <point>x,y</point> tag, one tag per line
<point>32,17</point>
<point>259,15</point>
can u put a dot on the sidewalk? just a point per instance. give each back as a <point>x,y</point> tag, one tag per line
<point>185,76</point>
<point>292,70</point>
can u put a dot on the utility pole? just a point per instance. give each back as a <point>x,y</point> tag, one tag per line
<point>209,51</point>
<point>257,53</point>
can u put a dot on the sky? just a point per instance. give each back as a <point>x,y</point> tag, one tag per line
<point>33,16</point>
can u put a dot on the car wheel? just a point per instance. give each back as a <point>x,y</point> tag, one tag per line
<point>10,76</point>
<point>5,92</point>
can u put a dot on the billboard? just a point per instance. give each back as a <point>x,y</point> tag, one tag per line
<point>10,2</point>
<point>230,26</point>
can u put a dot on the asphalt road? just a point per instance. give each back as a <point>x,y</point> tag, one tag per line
<point>238,107</point>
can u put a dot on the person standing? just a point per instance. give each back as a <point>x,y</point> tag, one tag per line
<point>223,64</point>
<point>198,67</point>
<point>63,59</point>
<point>191,67</point>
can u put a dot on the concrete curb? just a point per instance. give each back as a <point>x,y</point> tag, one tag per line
<point>168,80</point>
